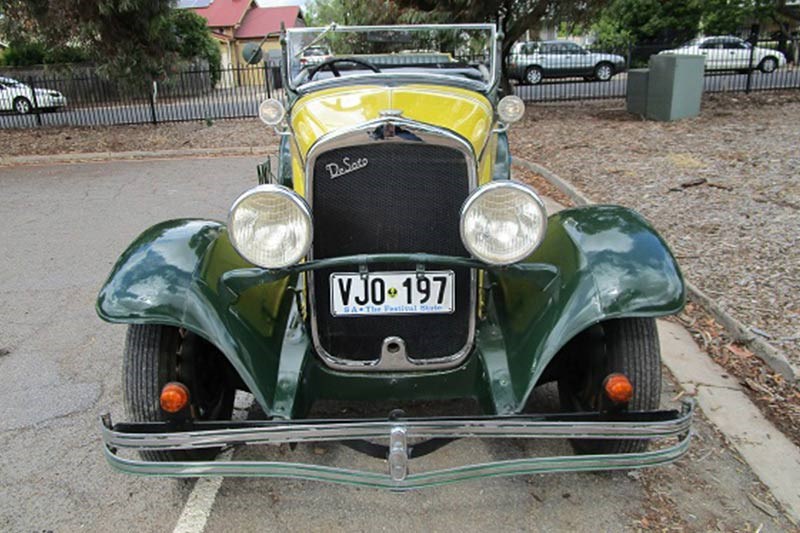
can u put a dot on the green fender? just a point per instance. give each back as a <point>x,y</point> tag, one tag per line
<point>170,275</point>
<point>612,264</point>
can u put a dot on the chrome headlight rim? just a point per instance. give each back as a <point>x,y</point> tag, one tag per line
<point>276,105</point>
<point>296,199</point>
<point>484,189</point>
<point>504,113</point>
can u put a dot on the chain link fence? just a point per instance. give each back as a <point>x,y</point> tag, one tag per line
<point>539,72</point>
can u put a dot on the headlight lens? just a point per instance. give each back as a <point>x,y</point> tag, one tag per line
<point>511,109</point>
<point>270,226</point>
<point>503,222</point>
<point>271,112</point>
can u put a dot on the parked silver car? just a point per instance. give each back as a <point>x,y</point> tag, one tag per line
<point>531,62</point>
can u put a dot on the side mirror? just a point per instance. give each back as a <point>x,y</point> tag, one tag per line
<point>252,53</point>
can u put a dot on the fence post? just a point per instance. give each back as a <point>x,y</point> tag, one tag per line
<point>36,110</point>
<point>750,69</point>
<point>755,30</point>
<point>153,103</point>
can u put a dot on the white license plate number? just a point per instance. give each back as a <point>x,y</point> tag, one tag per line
<point>392,293</point>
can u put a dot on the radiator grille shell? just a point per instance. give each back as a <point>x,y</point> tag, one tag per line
<point>406,199</point>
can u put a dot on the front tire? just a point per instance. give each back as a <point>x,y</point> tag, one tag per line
<point>154,356</point>
<point>604,72</point>
<point>628,346</point>
<point>768,65</point>
<point>534,75</point>
<point>22,105</point>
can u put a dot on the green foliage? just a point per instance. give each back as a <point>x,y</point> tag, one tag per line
<point>193,40</point>
<point>724,17</point>
<point>627,22</point>
<point>630,22</point>
<point>140,40</point>
<point>23,54</point>
<point>366,12</point>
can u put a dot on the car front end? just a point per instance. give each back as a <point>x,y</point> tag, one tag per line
<point>391,258</point>
<point>50,99</point>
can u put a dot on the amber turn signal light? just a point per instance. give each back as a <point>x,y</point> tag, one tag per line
<point>618,388</point>
<point>174,397</point>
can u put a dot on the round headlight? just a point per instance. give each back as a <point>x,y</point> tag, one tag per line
<point>271,112</point>
<point>503,222</point>
<point>511,109</point>
<point>270,226</point>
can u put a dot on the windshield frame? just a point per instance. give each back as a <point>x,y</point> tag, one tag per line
<point>289,51</point>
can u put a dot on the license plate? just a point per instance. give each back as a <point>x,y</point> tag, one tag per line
<point>392,293</point>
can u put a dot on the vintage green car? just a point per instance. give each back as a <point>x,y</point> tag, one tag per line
<point>391,260</point>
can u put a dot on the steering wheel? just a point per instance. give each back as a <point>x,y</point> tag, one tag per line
<point>331,65</point>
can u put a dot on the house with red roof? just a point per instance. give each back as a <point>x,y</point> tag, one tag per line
<point>234,23</point>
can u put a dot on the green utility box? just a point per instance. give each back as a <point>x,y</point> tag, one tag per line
<point>637,91</point>
<point>670,89</point>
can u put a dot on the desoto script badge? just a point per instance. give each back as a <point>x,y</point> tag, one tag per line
<point>348,165</point>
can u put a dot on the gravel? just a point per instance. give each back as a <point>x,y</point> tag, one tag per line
<point>723,189</point>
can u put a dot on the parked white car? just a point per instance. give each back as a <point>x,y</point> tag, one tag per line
<point>731,53</point>
<point>16,96</point>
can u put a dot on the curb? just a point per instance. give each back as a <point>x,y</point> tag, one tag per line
<point>771,356</point>
<point>133,155</point>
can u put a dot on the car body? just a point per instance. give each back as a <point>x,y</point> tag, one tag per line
<point>532,61</point>
<point>726,52</point>
<point>19,97</point>
<point>390,259</point>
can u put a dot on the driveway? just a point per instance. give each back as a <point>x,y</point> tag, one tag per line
<point>60,368</point>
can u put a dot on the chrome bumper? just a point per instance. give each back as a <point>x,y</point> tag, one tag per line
<point>649,425</point>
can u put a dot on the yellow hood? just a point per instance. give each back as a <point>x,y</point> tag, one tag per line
<point>465,112</point>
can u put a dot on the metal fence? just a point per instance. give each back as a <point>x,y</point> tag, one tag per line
<point>540,72</point>
<point>85,98</point>
<point>543,72</point>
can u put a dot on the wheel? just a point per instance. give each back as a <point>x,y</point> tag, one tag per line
<point>533,76</point>
<point>768,65</point>
<point>628,346</point>
<point>22,105</point>
<point>154,356</point>
<point>604,72</point>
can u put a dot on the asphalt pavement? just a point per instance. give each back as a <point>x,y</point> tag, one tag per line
<point>60,368</point>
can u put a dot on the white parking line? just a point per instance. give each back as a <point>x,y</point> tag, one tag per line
<point>198,506</point>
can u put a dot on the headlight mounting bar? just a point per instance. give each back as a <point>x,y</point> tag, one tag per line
<point>238,281</point>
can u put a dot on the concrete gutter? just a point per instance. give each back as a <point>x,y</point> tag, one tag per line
<point>740,333</point>
<point>81,157</point>
<point>771,455</point>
